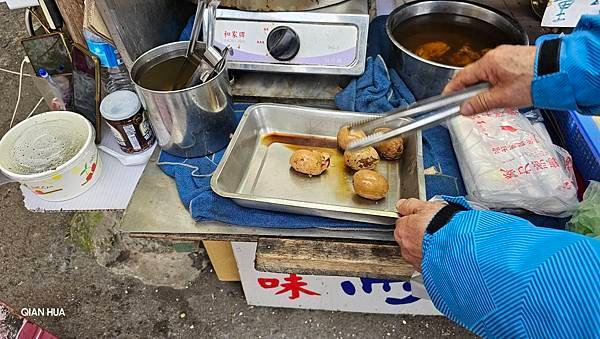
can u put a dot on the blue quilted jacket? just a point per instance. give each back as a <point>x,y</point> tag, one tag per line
<point>497,274</point>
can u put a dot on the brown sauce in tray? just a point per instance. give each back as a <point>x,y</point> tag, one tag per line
<point>337,165</point>
<point>299,140</point>
<point>450,39</point>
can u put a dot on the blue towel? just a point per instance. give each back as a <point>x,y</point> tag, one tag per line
<point>377,90</point>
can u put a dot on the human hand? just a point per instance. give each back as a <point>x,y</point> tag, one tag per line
<point>509,69</point>
<point>415,216</point>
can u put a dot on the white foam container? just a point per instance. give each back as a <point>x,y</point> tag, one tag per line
<point>68,180</point>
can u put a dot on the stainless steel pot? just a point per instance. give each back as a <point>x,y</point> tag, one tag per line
<point>191,122</point>
<point>427,78</point>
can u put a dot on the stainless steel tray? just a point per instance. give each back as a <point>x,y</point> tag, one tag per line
<point>255,169</point>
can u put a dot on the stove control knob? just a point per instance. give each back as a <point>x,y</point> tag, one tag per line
<point>283,43</point>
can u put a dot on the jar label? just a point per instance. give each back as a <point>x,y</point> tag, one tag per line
<point>118,136</point>
<point>145,129</point>
<point>130,131</point>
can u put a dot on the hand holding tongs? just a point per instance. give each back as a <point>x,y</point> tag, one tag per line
<point>420,115</point>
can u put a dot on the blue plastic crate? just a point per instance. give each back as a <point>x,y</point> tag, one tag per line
<point>581,137</point>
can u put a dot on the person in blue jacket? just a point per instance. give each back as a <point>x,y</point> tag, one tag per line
<point>497,274</point>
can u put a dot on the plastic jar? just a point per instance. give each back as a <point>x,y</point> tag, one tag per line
<point>124,114</point>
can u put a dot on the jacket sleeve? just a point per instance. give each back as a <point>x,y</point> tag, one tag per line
<point>500,276</point>
<point>567,69</point>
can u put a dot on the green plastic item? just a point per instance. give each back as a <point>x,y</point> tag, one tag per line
<point>586,219</point>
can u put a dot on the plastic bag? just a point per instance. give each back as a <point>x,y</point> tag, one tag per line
<point>507,164</point>
<point>586,219</point>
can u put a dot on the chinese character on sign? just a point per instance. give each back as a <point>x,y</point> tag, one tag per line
<point>293,284</point>
<point>234,34</point>
<point>367,287</point>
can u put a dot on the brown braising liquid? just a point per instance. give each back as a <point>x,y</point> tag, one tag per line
<point>337,165</point>
<point>293,140</point>
<point>164,75</point>
<point>454,30</point>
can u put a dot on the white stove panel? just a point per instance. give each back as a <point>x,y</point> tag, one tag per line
<point>320,44</point>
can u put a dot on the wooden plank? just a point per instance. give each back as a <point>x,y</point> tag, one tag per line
<point>316,257</point>
<point>72,13</point>
<point>195,236</point>
<point>243,237</point>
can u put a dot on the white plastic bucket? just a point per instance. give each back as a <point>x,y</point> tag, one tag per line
<point>53,154</point>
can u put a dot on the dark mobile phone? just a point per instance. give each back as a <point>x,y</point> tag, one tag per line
<point>48,51</point>
<point>86,86</point>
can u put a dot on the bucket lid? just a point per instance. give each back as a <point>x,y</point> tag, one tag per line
<point>120,105</point>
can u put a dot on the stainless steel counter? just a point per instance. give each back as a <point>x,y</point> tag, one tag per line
<point>156,208</point>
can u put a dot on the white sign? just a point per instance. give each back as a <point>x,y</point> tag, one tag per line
<point>566,13</point>
<point>325,292</point>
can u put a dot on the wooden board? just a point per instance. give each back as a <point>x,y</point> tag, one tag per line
<point>315,257</point>
<point>72,13</point>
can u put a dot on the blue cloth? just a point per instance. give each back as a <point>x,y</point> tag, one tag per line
<point>192,177</point>
<point>501,277</point>
<point>577,83</point>
<point>377,90</point>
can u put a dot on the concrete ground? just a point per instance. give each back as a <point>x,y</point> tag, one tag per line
<point>42,264</point>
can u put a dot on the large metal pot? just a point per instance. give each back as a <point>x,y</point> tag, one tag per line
<point>191,122</point>
<point>427,78</point>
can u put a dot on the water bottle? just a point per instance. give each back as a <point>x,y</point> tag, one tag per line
<point>114,73</point>
<point>57,103</point>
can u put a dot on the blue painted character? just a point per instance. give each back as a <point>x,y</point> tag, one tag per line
<point>367,287</point>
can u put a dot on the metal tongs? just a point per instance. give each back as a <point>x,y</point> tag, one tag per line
<point>180,82</point>
<point>420,115</point>
<point>215,60</point>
